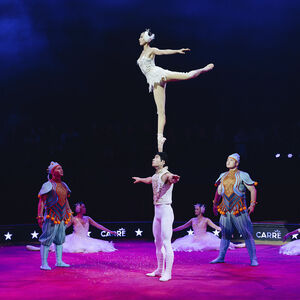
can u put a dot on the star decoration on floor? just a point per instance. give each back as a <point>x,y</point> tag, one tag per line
<point>34,235</point>
<point>8,236</point>
<point>295,236</point>
<point>216,232</point>
<point>138,232</point>
<point>190,232</point>
<point>89,233</point>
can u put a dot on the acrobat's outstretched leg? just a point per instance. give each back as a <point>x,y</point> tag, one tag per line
<point>177,76</point>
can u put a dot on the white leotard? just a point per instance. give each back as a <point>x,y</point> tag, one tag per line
<point>153,73</point>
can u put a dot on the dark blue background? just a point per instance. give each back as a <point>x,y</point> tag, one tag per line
<point>71,92</point>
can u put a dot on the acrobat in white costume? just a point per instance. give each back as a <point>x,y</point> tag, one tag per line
<point>157,78</point>
<point>162,184</point>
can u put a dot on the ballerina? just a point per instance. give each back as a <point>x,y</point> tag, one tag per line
<point>291,248</point>
<point>158,77</point>
<point>79,241</point>
<point>201,240</point>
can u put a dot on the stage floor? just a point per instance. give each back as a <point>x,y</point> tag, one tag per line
<point>121,275</point>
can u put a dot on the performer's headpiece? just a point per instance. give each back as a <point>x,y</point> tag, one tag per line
<point>202,207</point>
<point>235,156</point>
<point>51,168</point>
<point>78,207</point>
<point>148,36</point>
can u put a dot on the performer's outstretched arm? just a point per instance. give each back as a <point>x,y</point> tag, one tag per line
<point>186,225</point>
<point>213,225</point>
<point>95,224</point>
<point>147,180</point>
<point>253,192</point>
<point>170,178</point>
<point>157,51</point>
<point>291,233</point>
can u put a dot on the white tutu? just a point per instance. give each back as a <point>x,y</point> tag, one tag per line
<point>153,73</point>
<point>207,241</point>
<point>291,248</point>
<point>156,75</point>
<point>77,243</point>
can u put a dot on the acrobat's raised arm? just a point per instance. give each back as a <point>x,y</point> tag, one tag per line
<point>157,51</point>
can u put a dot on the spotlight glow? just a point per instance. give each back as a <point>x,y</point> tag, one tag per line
<point>277,155</point>
<point>290,155</point>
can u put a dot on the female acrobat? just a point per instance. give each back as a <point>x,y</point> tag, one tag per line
<point>158,77</point>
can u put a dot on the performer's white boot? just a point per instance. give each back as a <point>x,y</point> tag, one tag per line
<point>44,256</point>
<point>161,257</point>
<point>167,275</point>
<point>59,262</point>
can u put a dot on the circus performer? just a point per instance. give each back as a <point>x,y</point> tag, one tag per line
<point>291,248</point>
<point>201,240</point>
<point>79,241</point>
<point>158,77</point>
<point>162,184</point>
<point>231,187</point>
<point>53,197</point>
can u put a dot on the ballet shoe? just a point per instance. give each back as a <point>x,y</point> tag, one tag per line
<point>208,67</point>
<point>165,277</point>
<point>160,142</point>
<point>32,248</point>
<point>154,274</point>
